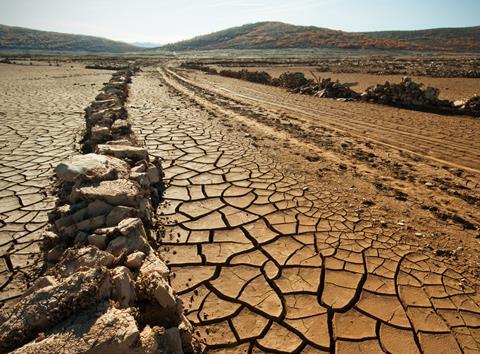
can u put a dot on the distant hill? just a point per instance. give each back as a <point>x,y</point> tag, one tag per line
<point>145,44</point>
<point>20,38</point>
<point>278,35</point>
<point>457,39</point>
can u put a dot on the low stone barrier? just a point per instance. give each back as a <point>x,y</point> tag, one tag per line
<point>406,94</point>
<point>107,289</point>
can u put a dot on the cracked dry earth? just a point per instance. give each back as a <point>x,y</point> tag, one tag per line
<point>41,115</point>
<point>268,260</point>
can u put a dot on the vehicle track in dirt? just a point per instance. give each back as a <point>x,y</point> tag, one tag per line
<point>409,130</point>
<point>271,258</point>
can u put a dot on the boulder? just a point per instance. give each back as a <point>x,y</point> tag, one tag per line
<point>151,282</point>
<point>91,166</point>
<point>117,192</point>
<point>80,238</point>
<point>153,263</point>
<point>119,142</point>
<point>91,223</point>
<point>119,213</point>
<point>98,207</point>
<point>105,117</point>
<point>98,240</point>
<point>133,238</point>
<point>134,153</point>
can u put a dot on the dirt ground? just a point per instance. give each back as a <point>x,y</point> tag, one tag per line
<point>299,224</point>
<point>292,224</point>
<point>450,88</point>
<point>41,117</point>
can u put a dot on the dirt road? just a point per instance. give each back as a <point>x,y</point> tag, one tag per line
<point>299,226</point>
<point>41,115</point>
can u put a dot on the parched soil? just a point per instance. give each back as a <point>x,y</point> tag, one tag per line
<point>41,116</point>
<point>292,224</point>
<point>450,88</point>
<point>298,224</point>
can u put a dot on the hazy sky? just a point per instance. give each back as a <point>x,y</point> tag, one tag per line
<point>164,21</point>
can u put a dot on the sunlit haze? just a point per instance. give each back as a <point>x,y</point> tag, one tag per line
<point>163,21</point>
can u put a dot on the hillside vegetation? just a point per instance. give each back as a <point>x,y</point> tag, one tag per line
<point>20,38</point>
<point>457,39</point>
<point>277,35</point>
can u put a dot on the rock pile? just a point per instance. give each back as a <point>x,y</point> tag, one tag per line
<point>406,94</point>
<point>326,88</point>
<point>291,80</point>
<point>107,289</point>
<point>6,61</point>
<point>199,67</point>
<point>470,106</point>
<point>260,77</point>
<point>108,66</point>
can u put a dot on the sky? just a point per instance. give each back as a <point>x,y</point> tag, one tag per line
<point>166,21</point>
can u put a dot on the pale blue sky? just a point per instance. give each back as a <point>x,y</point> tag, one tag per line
<point>165,21</point>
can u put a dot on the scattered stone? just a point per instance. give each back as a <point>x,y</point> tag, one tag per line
<point>135,260</point>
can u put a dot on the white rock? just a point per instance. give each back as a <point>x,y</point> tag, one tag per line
<point>117,192</point>
<point>135,260</point>
<point>163,293</point>
<point>91,165</point>
<point>123,289</point>
<point>123,151</point>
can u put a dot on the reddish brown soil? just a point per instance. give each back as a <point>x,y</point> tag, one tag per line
<point>299,224</point>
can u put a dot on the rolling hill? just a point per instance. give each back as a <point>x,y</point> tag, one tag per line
<point>19,38</point>
<point>458,39</point>
<point>278,35</point>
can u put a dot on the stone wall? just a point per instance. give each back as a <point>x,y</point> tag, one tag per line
<point>106,289</point>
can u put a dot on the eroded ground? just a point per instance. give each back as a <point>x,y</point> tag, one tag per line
<point>302,225</point>
<point>41,115</point>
